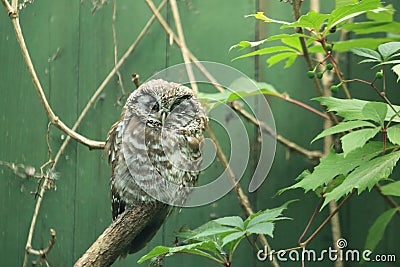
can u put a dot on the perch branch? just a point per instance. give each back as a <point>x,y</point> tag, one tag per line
<point>112,242</point>
<point>31,69</point>
<point>183,47</point>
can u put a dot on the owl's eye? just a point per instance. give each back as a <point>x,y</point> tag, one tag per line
<point>179,100</point>
<point>156,107</point>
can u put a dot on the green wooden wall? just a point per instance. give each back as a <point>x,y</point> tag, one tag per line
<point>79,210</point>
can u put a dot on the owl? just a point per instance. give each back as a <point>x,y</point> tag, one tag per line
<point>154,151</point>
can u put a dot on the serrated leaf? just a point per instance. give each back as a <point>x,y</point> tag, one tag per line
<point>387,63</point>
<point>351,109</point>
<point>365,176</point>
<point>373,27</point>
<point>268,215</point>
<point>261,16</point>
<point>244,44</point>
<point>376,231</point>
<point>388,49</point>
<point>336,164</point>
<point>214,231</point>
<point>385,15</point>
<point>267,50</point>
<point>311,20</point>
<point>375,111</point>
<point>370,43</point>
<point>265,228</point>
<point>392,189</point>
<point>396,70</point>
<point>346,12</point>
<point>357,139</point>
<point>286,36</point>
<point>340,3</point>
<point>239,89</point>
<point>232,237</point>
<point>234,221</point>
<point>157,251</point>
<point>343,127</point>
<point>289,56</point>
<point>368,53</point>
<point>393,133</point>
<point>368,61</point>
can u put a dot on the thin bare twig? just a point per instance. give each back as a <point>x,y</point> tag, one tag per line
<point>183,47</point>
<point>389,199</point>
<point>305,243</point>
<point>31,69</point>
<point>114,18</point>
<point>312,155</point>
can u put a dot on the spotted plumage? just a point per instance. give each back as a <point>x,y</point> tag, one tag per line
<point>154,151</point>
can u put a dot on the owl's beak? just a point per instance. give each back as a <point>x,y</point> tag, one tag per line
<point>163,116</point>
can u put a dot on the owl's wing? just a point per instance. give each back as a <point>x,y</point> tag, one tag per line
<point>113,144</point>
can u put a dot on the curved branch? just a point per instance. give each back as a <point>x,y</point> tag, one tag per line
<point>112,242</point>
<point>13,13</point>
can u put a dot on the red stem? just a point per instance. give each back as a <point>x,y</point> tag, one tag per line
<point>301,104</point>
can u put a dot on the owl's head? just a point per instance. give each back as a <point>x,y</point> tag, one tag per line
<point>159,103</point>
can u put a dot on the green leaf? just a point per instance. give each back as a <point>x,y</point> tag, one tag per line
<point>375,111</point>
<point>212,100</point>
<point>396,70</point>
<point>388,62</point>
<point>336,164</point>
<point>371,43</point>
<point>373,27</point>
<point>393,133</point>
<point>351,109</point>
<point>368,53</point>
<point>385,15</point>
<point>344,13</point>
<point>232,237</point>
<point>245,44</point>
<point>375,233</point>
<point>234,221</point>
<point>343,127</point>
<point>214,231</point>
<point>392,189</point>
<point>340,3</point>
<point>261,16</point>
<point>268,50</point>
<point>268,215</point>
<point>290,56</point>
<point>191,248</point>
<point>265,228</point>
<point>286,37</point>
<point>388,49</point>
<point>365,176</point>
<point>356,139</point>
<point>311,20</point>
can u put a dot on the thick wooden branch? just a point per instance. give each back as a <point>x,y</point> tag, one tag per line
<point>112,242</point>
